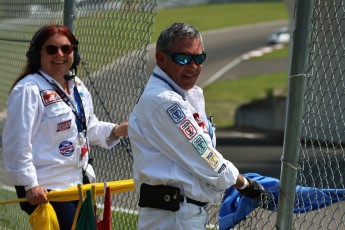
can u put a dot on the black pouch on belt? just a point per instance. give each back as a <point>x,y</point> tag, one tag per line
<point>160,196</point>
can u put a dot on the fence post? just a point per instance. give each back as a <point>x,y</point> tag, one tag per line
<point>288,177</point>
<point>69,14</point>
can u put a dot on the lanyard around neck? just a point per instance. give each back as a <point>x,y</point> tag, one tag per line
<point>79,111</point>
<point>170,85</point>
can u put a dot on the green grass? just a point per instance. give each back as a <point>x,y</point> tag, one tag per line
<point>223,97</point>
<point>11,216</point>
<point>279,53</point>
<point>215,16</point>
<point>129,221</point>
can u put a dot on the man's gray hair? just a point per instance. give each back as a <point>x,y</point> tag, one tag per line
<point>175,31</point>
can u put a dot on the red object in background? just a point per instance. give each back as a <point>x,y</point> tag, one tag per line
<point>105,223</point>
<point>84,150</point>
<point>199,121</point>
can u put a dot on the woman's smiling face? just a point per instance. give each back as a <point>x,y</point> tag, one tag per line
<point>56,65</point>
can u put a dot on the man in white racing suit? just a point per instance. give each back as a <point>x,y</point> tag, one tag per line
<point>177,169</point>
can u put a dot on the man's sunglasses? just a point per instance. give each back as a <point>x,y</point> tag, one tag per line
<point>185,59</point>
<point>66,49</point>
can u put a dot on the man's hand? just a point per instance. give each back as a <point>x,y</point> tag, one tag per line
<point>37,195</point>
<point>119,131</point>
<point>254,190</point>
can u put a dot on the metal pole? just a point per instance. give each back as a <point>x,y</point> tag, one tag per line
<point>69,14</point>
<point>294,114</point>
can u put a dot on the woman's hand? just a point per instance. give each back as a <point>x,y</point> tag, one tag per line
<point>37,195</point>
<point>119,130</point>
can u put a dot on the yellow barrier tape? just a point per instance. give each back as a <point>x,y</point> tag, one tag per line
<point>72,193</point>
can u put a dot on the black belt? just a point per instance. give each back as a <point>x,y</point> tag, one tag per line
<point>163,197</point>
<point>191,201</point>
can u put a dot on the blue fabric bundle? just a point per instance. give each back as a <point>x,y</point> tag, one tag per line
<point>235,207</point>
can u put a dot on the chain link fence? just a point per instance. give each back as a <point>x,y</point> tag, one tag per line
<point>113,42</point>
<point>114,36</point>
<point>311,188</point>
<point>322,157</point>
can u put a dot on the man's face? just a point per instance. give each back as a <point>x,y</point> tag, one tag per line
<point>183,75</point>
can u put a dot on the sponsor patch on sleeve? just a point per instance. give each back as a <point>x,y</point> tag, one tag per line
<point>215,160</point>
<point>188,129</point>
<point>199,144</point>
<point>221,169</point>
<point>50,96</point>
<point>176,113</point>
<point>211,157</point>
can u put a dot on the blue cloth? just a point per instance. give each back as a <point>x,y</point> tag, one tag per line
<point>235,207</point>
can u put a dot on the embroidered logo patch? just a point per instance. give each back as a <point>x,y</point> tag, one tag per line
<point>199,121</point>
<point>66,148</point>
<point>199,144</point>
<point>221,169</point>
<point>63,126</point>
<point>49,97</point>
<point>176,113</point>
<point>188,129</point>
<point>211,157</point>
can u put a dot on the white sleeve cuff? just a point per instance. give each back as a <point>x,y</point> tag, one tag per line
<point>111,131</point>
<point>30,186</point>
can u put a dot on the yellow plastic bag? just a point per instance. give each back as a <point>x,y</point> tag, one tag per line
<point>44,217</point>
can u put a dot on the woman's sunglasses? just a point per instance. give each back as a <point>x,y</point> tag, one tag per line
<point>185,59</point>
<point>66,49</point>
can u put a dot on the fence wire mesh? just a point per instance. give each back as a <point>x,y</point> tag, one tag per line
<point>322,156</point>
<point>113,41</point>
<point>114,36</point>
<point>317,201</point>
